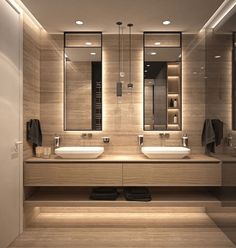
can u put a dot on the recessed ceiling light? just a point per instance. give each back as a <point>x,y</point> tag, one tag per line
<point>158,43</point>
<point>153,53</point>
<point>148,65</point>
<point>93,54</point>
<point>167,22</point>
<point>79,22</point>
<point>145,71</point>
<point>217,56</point>
<point>88,43</point>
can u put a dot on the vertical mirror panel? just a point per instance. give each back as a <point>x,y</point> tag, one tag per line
<point>83,82</point>
<point>162,81</point>
<point>234,83</point>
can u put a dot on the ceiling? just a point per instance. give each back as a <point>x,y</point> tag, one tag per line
<point>147,15</point>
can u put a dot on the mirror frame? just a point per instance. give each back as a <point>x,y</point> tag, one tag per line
<point>233,81</point>
<point>180,83</point>
<point>93,112</point>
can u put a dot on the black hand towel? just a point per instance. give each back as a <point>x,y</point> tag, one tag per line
<point>218,129</point>
<point>34,133</point>
<point>208,136</point>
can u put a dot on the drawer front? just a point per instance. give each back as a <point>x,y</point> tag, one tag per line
<point>72,174</point>
<point>172,174</point>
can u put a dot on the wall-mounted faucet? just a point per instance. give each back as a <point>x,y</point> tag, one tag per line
<point>140,140</point>
<point>164,135</point>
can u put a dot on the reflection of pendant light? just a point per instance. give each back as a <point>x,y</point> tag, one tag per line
<point>119,83</point>
<point>130,84</point>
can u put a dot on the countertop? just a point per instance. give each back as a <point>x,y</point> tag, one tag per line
<point>127,158</point>
<point>226,157</point>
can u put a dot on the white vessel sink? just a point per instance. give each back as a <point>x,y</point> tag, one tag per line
<point>79,152</point>
<point>166,152</point>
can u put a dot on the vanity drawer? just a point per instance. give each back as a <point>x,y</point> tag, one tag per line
<point>72,174</point>
<point>172,174</point>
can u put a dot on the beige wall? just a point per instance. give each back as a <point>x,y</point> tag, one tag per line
<point>31,76</point>
<point>122,120</point>
<point>219,80</point>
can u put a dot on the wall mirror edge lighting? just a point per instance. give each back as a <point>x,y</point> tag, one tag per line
<point>162,81</point>
<point>82,81</point>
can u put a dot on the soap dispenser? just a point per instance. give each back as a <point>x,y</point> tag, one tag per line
<point>185,140</point>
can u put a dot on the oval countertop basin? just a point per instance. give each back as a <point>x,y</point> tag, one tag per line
<point>165,152</point>
<point>79,152</point>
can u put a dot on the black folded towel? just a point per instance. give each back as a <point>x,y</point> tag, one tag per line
<point>137,194</point>
<point>104,193</point>
<point>34,133</point>
<point>105,190</point>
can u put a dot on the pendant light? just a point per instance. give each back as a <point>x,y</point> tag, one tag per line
<point>119,83</point>
<point>130,84</point>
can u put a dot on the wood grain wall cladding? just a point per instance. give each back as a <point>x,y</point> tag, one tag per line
<point>219,81</point>
<point>123,119</point>
<point>31,77</point>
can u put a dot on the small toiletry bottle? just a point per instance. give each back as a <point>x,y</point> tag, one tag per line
<point>175,119</point>
<point>171,103</point>
<point>175,103</point>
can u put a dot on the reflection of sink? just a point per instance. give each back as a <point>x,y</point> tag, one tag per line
<point>79,152</point>
<point>165,152</point>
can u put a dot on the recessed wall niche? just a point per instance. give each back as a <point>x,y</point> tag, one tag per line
<point>82,81</point>
<point>162,81</point>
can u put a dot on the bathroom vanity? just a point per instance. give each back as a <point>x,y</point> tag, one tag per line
<point>176,182</point>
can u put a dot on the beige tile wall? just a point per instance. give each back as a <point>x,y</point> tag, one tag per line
<point>31,76</point>
<point>122,119</point>
<point>219,80</point>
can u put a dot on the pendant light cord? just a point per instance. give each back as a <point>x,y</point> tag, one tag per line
<point>130,46</point>
<point>119,25</point>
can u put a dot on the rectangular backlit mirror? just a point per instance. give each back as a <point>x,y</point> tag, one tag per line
<point>162,81</point>
<point>82,81</point>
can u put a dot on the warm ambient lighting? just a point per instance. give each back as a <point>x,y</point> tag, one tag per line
<point>79,22</point>
<point>219,15</point>
<point>93,54</point>
<point>166,22</point>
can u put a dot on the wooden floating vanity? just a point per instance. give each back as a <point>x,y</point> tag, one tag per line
<point>123,171</point>
<point>68,182</point>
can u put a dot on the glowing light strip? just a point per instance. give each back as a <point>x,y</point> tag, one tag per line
<point>17,4</point>
<point>219,15</point>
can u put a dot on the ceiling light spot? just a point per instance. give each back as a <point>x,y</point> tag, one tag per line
<point>148,65</point>
<point>217,56</point>
<point>153,53</point>
<point>93,54</point>
<point>88,43</point>
<point>166,22</point>
<point>79,22</point>
<point>158,43</point>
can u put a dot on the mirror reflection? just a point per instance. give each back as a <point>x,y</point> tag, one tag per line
<point>83,82</point>
<point>162,81</point>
